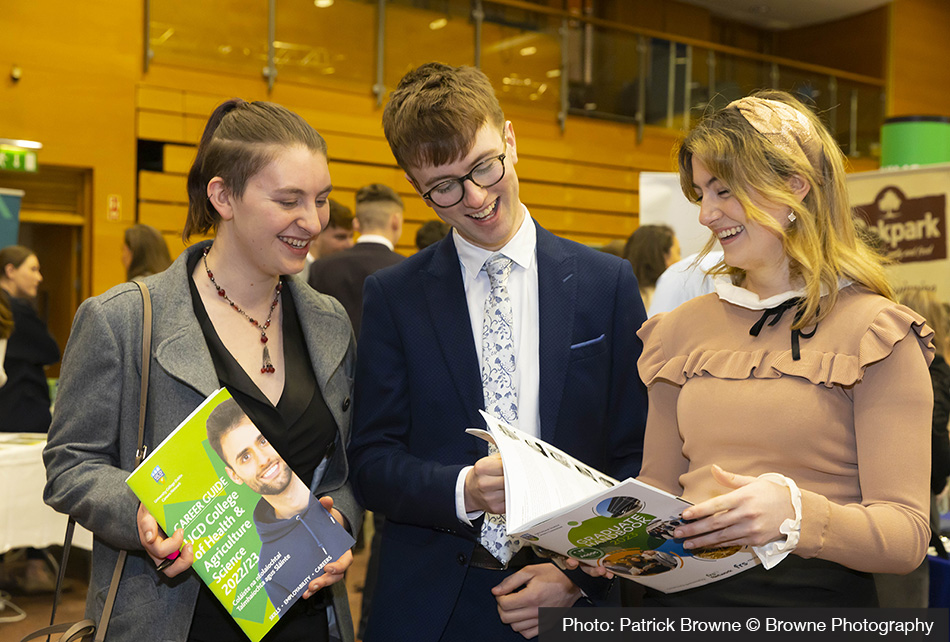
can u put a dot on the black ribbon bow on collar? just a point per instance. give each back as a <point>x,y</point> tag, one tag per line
<point>777,313</point>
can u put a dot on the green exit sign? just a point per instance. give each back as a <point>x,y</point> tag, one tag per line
<point>18,160</point>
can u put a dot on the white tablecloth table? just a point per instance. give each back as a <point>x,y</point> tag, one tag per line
<point>24,519</point>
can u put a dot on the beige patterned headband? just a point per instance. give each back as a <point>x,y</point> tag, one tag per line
<point>786,127</point>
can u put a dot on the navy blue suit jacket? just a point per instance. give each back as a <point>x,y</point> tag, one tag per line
<point>418,388</point>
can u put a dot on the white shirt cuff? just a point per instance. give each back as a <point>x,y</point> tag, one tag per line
<point>465,518</point>
<point>774,552</point>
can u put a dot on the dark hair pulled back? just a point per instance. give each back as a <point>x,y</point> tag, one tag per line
<point>238,141</point>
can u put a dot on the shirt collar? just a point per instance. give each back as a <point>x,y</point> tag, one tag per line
<point>750,300</point>
<point>375,238</point>
<point>520,249</point>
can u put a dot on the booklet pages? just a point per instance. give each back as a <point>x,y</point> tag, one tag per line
<point>561,505</point>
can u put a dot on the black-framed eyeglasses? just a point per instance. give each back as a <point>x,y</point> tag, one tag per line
<point>451,192</point>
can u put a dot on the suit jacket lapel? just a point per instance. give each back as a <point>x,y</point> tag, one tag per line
<point>448,309</point>
<point>183,353</point>
<point>557,290</point>
<point>328,336</point>
<point>328,339</point>
<point>178,343</point>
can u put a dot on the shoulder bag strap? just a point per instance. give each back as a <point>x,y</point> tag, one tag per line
<point>79,630</point>
<point>67,544</point>
<point>146,360</point>
<point>139,453</point>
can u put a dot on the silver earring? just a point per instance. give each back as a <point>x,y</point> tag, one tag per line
<point>791,217</point>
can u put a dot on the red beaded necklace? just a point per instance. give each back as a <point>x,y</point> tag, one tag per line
<point>267,367</point>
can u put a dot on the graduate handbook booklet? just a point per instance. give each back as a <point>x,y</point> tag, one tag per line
<point>563,507</point>
<point>258,533</point>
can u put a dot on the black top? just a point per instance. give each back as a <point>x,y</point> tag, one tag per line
<point>940,468</point>
<point>300,426</point>
<point>302,430</point>
<point>24,400</point>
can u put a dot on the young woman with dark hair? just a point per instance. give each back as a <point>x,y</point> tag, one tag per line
<point>225,314</point>
<point>144,252</point>
<point>24,399</point>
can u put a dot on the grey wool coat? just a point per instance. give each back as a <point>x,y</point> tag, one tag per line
<point>93,436</point>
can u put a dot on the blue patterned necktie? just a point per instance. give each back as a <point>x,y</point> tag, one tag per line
<point>498,385</point>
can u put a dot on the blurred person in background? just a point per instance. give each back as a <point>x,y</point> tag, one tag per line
<point>24,400</point>
<point>379,222</point>
<point>912,590</point>
<point>684,280</point>
<point>336,236</point>
<point>6,329</point>
<point>144,252</point>
<point>431,232</point>
<point>651,249</point>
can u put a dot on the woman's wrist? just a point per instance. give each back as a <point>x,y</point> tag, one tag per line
<point>774,552</point>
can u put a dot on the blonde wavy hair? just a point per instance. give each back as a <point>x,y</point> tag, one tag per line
<point>822,243</point>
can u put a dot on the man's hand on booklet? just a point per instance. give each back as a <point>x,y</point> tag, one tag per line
<point>751,514</point>
<point>521,594</point>
<point>159,546</point>
<point>485,486</point>
<point>334,571</point>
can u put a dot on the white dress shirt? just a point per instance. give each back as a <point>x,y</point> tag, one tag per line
<point>523,290</point>
<point>376,238</point>
<point>682,281</point>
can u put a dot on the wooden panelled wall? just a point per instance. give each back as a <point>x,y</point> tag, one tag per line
<point>84,95</point>
<point>918,73</point>
<point>583,186</point>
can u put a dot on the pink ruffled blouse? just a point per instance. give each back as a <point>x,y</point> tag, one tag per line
<point>849,420</point>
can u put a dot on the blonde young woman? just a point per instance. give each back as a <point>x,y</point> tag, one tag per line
<point>792,406</point>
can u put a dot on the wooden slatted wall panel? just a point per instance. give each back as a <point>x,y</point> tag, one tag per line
<point>581,185</point>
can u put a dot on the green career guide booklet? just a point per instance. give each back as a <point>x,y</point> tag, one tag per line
<point>259,535</point>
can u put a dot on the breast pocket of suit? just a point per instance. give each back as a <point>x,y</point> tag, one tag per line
<point>589,348</point>
<point>588,374</point>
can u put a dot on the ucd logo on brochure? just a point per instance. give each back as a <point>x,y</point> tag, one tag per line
<point>158,474</point>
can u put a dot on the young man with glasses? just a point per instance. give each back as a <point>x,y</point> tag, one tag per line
<point>500,315</point>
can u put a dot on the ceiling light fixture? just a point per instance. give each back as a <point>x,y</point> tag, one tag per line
<point>17,143</point>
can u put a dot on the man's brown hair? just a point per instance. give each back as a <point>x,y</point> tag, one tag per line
<point>340,216</point>
<point>434,114</point>
<point>375,193</point>
<point>375,205</point>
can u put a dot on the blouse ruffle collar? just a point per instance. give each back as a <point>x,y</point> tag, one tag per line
<point>748,299</point>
